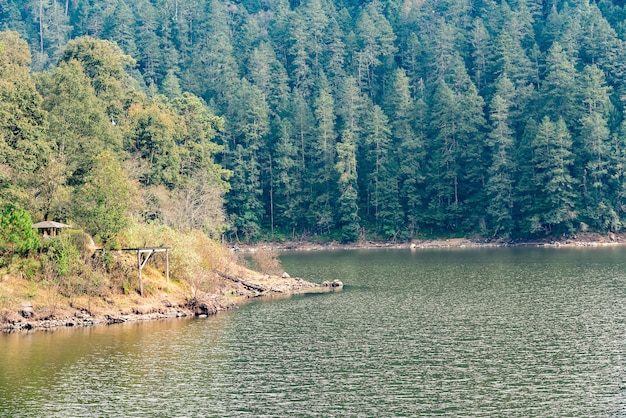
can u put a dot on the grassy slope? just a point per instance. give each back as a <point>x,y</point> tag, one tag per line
<point>205,278</point>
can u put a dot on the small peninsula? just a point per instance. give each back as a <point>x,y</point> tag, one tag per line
<point>108,291</point>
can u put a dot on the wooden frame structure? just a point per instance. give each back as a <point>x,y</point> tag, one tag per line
<point>143,255</point>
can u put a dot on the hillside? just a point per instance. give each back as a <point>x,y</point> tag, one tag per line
<point>347,120</point>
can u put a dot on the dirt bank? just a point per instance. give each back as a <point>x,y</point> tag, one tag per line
<point>229,290</point>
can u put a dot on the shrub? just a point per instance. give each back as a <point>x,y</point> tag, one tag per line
<point>267,261</point>
<point>193,256</point>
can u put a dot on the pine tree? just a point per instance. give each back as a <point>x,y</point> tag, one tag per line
<point>323,162</point>
<point>553,159</point>
<point>480,41</point>
<point>381,174</point>
<point>376,40</point>
<point>502,170</point>
<point>286,206</point>
<point>596,154</point>
<point>347,204</point>
<point>412,171</point>
<point>247,123</point>
<point>443,163</point>
<point>560,87</point>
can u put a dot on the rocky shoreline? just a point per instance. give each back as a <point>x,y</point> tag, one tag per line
<point>578,240</point>
<point>238,290</point>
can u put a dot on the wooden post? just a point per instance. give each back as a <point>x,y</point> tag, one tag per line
<point>167,264</point>
<point>139,266</point>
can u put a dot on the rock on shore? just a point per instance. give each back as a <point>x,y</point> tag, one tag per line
<point>236,288</point>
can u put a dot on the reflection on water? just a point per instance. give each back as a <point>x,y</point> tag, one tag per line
<point>517,332</point>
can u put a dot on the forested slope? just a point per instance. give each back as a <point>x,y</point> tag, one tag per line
<point>347,118</point>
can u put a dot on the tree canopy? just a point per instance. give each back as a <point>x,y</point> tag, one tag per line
<point>323,117</point>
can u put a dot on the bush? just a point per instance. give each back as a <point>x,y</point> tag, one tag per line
<point>193,256</point>
<point>65,254</point>
<point>267,261</point>
<point>69,268</point>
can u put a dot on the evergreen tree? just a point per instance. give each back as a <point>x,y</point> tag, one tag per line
<point>553,159</point>
<point>286,206</point>
<point>501,173</point>
<point>526,190</point>
<point>597,153</point>
<point>412,171</point>
<point>376,46</point>
<point>119,27</point>
<point>323,162</point>
<point>443,163</point>
<point>380,174</point>
<point>211,70</point>
<point>560,87</point>
<point>16,231</point>
<point>480,41</point>
<point>347,204</point>
<point>247,123</point>
<point>457,124</point>
<point>300,60</point>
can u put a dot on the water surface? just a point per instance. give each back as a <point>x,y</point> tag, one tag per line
<point>475,332</point>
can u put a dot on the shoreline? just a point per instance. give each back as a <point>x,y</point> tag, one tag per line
<point>238,291</point>
<point>240,286</point>
<point>583,240</point>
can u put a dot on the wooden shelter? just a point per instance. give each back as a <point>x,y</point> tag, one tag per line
<point>50,228</point>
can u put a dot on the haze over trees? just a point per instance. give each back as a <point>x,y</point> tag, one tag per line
<point>345,119</point>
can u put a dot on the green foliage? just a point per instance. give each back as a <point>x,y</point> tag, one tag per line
<point>30,267</point>
<point>408,81</point>
<point>105,201</point>
<point>23,148</point>
<point>348,203</point>
<point>65,252</point>
<point>17,235</point>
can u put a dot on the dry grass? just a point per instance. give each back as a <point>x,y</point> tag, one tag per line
<point>266,261</point>
<point>109,285</point>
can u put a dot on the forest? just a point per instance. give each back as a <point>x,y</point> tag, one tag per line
<point>316,119</point>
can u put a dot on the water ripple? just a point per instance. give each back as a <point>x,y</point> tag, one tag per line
<point>440,333</point>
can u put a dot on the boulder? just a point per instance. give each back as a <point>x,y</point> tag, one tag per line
<point>26,310</point>
<point>285,275</point>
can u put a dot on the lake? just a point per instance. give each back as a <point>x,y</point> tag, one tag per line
<point>463,332</point>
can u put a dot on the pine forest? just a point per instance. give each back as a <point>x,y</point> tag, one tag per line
<point>316,119</point>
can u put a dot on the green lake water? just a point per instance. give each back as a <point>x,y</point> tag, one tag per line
<point>470,332</point>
